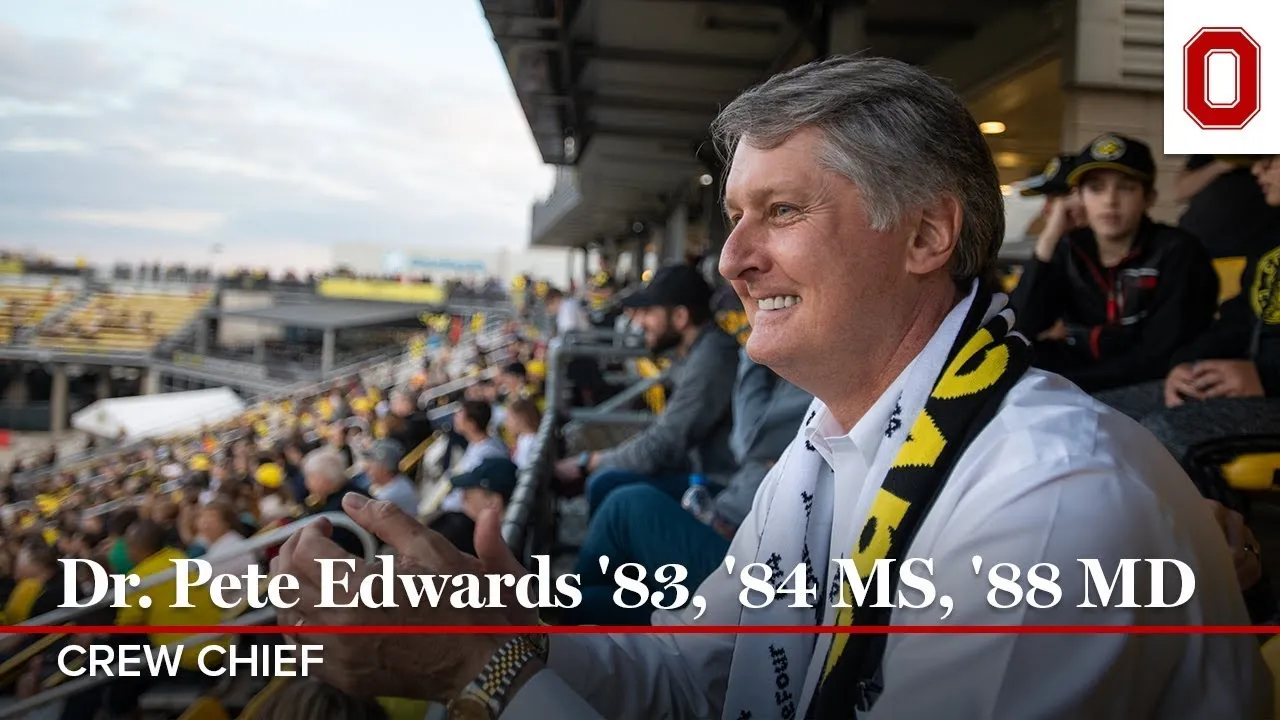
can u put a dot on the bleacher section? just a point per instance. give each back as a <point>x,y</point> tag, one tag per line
<point>27,304</point>
<point>123,320</point>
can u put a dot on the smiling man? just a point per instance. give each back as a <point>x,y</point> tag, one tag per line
<point>865,212</point>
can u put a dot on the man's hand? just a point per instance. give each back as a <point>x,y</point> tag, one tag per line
<point>426,667</point>
<point>1181,384</point>
<point>1228,378</point>
<point>1244,546</point>
<point>1061,216</point>
<point>568,469</point>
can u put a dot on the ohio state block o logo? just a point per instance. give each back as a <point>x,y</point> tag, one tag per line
<point>1246,100</point>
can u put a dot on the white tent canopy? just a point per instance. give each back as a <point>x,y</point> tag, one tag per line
<point>151,416</point>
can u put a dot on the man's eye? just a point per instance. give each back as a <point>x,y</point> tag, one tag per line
<point>782,211</point>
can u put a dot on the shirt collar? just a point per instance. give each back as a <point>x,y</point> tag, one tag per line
<point>881,421</point>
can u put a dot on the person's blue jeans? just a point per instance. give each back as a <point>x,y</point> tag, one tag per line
<point>640,524</point>
<point>603,482</point>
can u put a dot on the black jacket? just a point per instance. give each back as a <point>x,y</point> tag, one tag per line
<point>1125,322</point>
<point>1248,327</point>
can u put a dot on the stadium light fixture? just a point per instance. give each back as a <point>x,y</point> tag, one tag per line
<point>992,127</point>
<point>706,179</point>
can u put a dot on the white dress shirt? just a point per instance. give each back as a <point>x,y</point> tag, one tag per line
<point>1054,477</point>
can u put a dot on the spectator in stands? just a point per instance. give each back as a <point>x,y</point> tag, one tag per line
<point>219,541</point>
<point>522,421</point>
<point>408,425</point>
<point>642,524</point>
<point>692,433</point>
<point>865,215</point>
<point>1227,381</point>
<point>325,473</point>
<point>487,487</point>
<point>1225,208</point>
<point>1109,302</point>
<point>513,382</point>
<point>567,313</point>
<point>386,482</point>
<point>151,556</point>
<point>39,587</point>
<point>472,421</point>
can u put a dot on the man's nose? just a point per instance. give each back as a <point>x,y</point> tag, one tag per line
<point>736,255</point>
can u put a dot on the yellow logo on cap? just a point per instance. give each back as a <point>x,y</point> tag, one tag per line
<point>1107,148</point>
<point>1052,167</point>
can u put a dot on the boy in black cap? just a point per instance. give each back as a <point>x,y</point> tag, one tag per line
<point>692,433</point>
<point>1109,302</point>
<point>1227,381</point>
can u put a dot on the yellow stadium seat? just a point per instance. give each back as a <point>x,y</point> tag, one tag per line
<point>1230,271</point>
<point>1252,472</point>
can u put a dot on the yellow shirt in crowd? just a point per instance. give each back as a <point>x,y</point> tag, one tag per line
<point>21,600</point>
<point>162,612</point>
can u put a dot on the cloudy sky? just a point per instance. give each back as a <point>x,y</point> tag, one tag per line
<point>159,129</point>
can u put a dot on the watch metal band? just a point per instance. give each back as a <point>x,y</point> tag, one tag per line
<point>495,679</point>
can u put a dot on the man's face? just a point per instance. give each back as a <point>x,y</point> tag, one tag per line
<point>814,278</point>
<point>1268,174</point>
<point>659,325</point>
<point>461,422</point>
<point>513,384</point>
<point>1114,203</point>
<point>209,524</point>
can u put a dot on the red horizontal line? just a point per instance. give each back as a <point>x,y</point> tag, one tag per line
<point>642,630</point>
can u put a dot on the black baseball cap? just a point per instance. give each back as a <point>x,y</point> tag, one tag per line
<point>497,475</point>
<point>1115,152</point>
<point>672,286</point>
<point>1052,181</point>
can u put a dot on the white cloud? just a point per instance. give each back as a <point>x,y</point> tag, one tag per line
<point>43,145</point>
<point>306,121</point>
<point>185,222</point>
<point>221,164</point>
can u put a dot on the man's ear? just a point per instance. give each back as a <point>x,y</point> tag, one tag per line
<point>679,318</point>
<point>934,239</point>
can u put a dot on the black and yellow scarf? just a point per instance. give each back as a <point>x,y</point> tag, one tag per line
<point>948,396</point>
<point>984,363</point>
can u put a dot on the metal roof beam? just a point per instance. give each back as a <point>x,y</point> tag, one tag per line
<point>641,56</point>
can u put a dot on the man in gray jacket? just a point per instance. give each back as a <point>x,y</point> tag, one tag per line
<point>641,524</point>
<point>692,434</point>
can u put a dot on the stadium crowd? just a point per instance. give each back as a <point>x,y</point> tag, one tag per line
<point>132,508</point>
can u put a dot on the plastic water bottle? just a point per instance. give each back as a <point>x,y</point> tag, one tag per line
<point>697,499</point>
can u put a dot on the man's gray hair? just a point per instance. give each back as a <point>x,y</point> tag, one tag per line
<point>902,136</point>
<point>327,464</point>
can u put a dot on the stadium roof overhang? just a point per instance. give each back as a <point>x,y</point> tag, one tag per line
<point>323,314</point>
<point>624,90</point>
